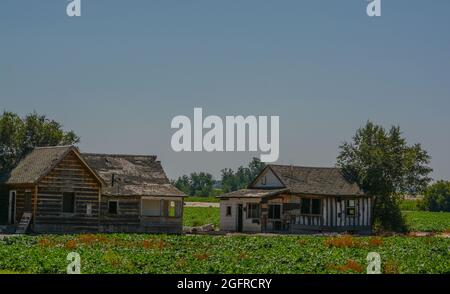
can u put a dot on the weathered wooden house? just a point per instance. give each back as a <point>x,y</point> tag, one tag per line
<point>137,196</point>
<point>294,199</point>
<point>60,190</point>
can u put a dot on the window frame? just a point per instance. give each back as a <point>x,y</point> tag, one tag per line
<point>348,207</point>
<point>74,203</point>
<point>264,180</point>
<point>117,206</point>
<point>310,200</point>
<point>249,211</point>
<point>89,207</point>
<point>160,206</point>
<point>228,210</point>
<point>280,206</point>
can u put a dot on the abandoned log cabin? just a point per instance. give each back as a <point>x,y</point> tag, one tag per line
<point>60,190</point>
<point>294,199</point>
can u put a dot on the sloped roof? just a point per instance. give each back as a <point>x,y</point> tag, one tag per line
<point>315,180</point>
<point>36,164</point>
<point>134,175</point>
<point>253,193</point>
<point>322,181</point>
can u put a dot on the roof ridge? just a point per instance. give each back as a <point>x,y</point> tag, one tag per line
<point>117,155</point>
<point>302,166</point>
<point>56,146</point>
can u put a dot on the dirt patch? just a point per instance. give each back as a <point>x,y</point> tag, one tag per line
<point>201,204</point>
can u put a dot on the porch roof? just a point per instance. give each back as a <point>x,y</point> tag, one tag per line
<point>252,193</point>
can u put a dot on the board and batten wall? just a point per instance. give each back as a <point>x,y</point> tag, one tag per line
<point>70,175</point>
<point>333,215</point>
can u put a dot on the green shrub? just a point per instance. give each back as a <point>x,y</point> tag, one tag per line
<point>437,197</point>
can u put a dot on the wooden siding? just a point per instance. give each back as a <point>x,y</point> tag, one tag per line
<point>21,190</point>
<point>69,176</point>
<point>332,217</point>
<point>129,219</point>
<point>229,223</point>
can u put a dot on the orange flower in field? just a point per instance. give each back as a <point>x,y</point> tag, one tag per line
<point>341,242</point>
<point>44,242</point>
<point>202,256</point>
<point>350,265</point>
<point>71,244</point>
<point>375,242</point>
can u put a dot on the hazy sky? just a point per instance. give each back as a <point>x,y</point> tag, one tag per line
<point>118,74</point>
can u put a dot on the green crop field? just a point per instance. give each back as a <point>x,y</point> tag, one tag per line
<point>143,253</point>
<point>427,221</point>
<point>410,204</point>
<point>417,220</point>
<point>198,216</point>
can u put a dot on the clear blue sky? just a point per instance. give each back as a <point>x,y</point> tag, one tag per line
<point>118,74</point>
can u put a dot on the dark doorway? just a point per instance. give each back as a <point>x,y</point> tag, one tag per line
<point>27,201</point>
<point>239,218</point>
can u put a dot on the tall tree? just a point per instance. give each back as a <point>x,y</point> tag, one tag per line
<point>255,166</point>
<point>18,136</point>
<point>183,183</point>
<point>232,181</point>
<point>201,184</point>
<point>385,166</point>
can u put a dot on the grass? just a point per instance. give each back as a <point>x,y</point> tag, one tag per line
<point>198,216</point>
<point>424,221</point>
<point>409,205</point>
<point>200,254</point>
<point>427,221</point>
<point>6,272</point>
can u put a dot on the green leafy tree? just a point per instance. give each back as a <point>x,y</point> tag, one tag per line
<point>255,166</point>
<point>183,183</point>
<point>437,197</point>
<point>385,166</point>
<point>229,181</point>
<point>201,184</point>
<point>232,181</point>
<point>18,136</point>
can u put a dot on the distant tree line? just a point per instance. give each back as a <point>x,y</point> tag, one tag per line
<point>202,183</point>
<point>436,197</point>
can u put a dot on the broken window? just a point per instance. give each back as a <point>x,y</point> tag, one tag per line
<point>350,209</point>
<point>28,199</point>
<point>305,207</point>
<point>275,211</point>
<point>252,210</point>
<point>172,209</point>
<point>89,209</point>
<point>311,206</point>
<point>315,206</point>
<point>151,207</point>
<point>68,202</point>
<point>113,206</point>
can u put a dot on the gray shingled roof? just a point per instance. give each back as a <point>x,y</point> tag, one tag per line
<point>315,180</point>
<point>134,175</point>
<point>325,181</point>
<point>36,164</point>
<point>253,193</point>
